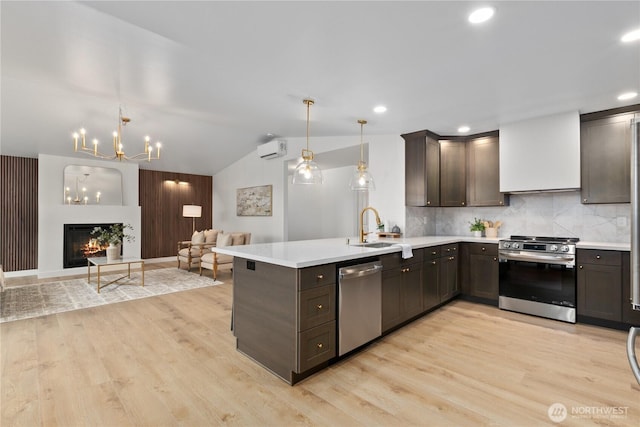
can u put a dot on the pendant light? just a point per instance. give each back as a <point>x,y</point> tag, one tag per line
<point>361,179</point>
<point>307,171</point>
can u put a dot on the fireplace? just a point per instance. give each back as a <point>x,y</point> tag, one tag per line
<point>79,244</point>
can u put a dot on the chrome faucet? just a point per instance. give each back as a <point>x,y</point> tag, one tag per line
<point>362,232</point>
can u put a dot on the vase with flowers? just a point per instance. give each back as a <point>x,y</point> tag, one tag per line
<point>113,236</point>
<point>477,227</point>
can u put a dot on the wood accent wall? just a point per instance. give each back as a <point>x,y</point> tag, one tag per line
<point>19,213</point>
<point>162,195</point>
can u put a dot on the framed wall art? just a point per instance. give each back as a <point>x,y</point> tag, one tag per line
<point>254,201</point>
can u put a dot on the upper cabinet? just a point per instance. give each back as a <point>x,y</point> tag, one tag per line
<point>483,172</point>
<point>453,191</point>
<point>422,169</point>
<point>452,171</point>
<point>605,159</point>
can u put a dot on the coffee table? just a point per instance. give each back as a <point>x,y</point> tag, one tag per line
<point>103,262</point>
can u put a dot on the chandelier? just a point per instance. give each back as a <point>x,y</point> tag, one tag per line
<point>307,171</point>
<point>118,151</point>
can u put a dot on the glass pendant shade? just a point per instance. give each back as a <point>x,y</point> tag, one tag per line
<point>307,171</point>
<point>361,179</point>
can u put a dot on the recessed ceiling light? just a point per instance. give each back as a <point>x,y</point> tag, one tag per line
<point>380,109</point>
<point>631,36</point>
<point>628,95</point>
<point>481,15</point>
<point>463,129</point>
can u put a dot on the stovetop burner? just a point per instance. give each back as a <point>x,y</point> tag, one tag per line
<point>543,239</point>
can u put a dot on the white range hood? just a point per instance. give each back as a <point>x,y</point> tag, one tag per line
<point>541,154</point>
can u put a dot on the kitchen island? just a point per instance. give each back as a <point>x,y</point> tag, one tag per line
<point>286,293</point>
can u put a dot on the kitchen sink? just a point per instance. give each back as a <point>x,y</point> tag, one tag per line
<point>374,244</point>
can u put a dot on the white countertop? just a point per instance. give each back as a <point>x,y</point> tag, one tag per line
<point>307,253</point>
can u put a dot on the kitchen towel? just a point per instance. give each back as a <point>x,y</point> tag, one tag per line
<point>406,250</point>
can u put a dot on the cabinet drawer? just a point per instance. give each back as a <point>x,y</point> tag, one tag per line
<point>320,275</point>
<point>316,345</point>
<point>395,260</point>
<point>449,250</point>
<point>483,249</point>
<point>317,306</point>
<point>600,257</point>
<point>432,253</point>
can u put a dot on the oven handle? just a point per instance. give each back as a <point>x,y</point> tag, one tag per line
<point>561,260</point>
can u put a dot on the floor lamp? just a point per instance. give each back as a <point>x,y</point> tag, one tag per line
<point>192,211</point>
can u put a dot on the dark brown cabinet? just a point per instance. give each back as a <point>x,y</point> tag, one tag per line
<point>422,169</point>
<point>600,284</point>
<point>448,280</point>
<point>483,172</point>
<point>605,150</point>
<point>401,288</point>
<point>431,278</point>
<point>483,270</point>
<point>453,182</point>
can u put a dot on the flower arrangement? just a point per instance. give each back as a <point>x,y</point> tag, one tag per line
<point>113,234</point>
<point>477,225</point>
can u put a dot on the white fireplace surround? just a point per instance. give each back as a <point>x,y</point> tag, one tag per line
<point>53,214</point>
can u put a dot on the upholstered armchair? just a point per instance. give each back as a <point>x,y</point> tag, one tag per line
<point>190,251</point>
<point>211,260</point>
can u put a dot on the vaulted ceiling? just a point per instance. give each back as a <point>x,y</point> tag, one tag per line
<point>211,79</point>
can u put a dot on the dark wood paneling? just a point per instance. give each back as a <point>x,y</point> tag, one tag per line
<point>19,217</point>
<point>162,195</point>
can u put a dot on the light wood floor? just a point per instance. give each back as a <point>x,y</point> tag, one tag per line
<point>171,360</point>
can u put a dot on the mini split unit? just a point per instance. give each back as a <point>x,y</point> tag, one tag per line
<point>273,149</point>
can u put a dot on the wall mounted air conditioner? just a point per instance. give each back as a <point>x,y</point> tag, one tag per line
<point>272,149</point>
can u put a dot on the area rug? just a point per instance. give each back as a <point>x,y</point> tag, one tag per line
<point>23,302</point>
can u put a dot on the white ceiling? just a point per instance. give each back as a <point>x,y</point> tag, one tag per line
<point>210,79</point>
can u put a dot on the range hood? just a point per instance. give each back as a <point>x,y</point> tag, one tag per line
<point>541,154</point>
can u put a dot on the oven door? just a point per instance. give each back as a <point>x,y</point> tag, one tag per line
<point>549,279</point>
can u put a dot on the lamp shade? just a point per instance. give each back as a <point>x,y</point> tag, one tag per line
<point>307,172</point>
<point>191,211</point>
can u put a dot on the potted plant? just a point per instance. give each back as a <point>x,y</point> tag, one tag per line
<point>477,227</point>
<point>112,236</point>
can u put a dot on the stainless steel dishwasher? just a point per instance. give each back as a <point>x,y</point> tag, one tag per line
<point>359,305</point>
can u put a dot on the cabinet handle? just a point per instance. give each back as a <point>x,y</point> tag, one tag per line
<point>597,256</point>
<point>405,270</point>
<point>448,249</point>
<point>433,262</point>
<point>584,200</point>
<point>319,307</point>
<point>451,258</point>
<point>320,276</point>
<point>428,203</point>
<point>495,259</point>
<point>580,267</point>
<point>433,252</point>
<point>319,345</point>
<point>501,202</point>
<point>484,249</point>
<point>462,203</point>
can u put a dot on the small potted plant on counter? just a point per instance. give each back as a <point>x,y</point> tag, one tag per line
<point>477,227</point>
<point>112,236</point>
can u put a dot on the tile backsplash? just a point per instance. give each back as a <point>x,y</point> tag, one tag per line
<point>541,214</point>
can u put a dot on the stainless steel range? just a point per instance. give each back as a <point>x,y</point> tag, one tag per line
<point>538,277</point>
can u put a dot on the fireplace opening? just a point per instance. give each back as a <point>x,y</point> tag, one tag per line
<point>79,244</point>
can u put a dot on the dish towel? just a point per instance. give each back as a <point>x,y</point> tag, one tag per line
<point>406,250</point>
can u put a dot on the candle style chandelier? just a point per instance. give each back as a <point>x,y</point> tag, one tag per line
<point>118,151</point>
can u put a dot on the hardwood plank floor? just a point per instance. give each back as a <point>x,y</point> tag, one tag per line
<point>171,360</point>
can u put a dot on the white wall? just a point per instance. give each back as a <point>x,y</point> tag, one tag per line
<point>386,163</point>
<point>53,214</point>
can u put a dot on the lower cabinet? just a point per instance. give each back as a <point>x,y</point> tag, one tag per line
<point>401,288</point>
<point>600,284</point>
<point>431,278</point>
<point>629,315</point>
<point>483,270</point>
<point>448,284</point>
